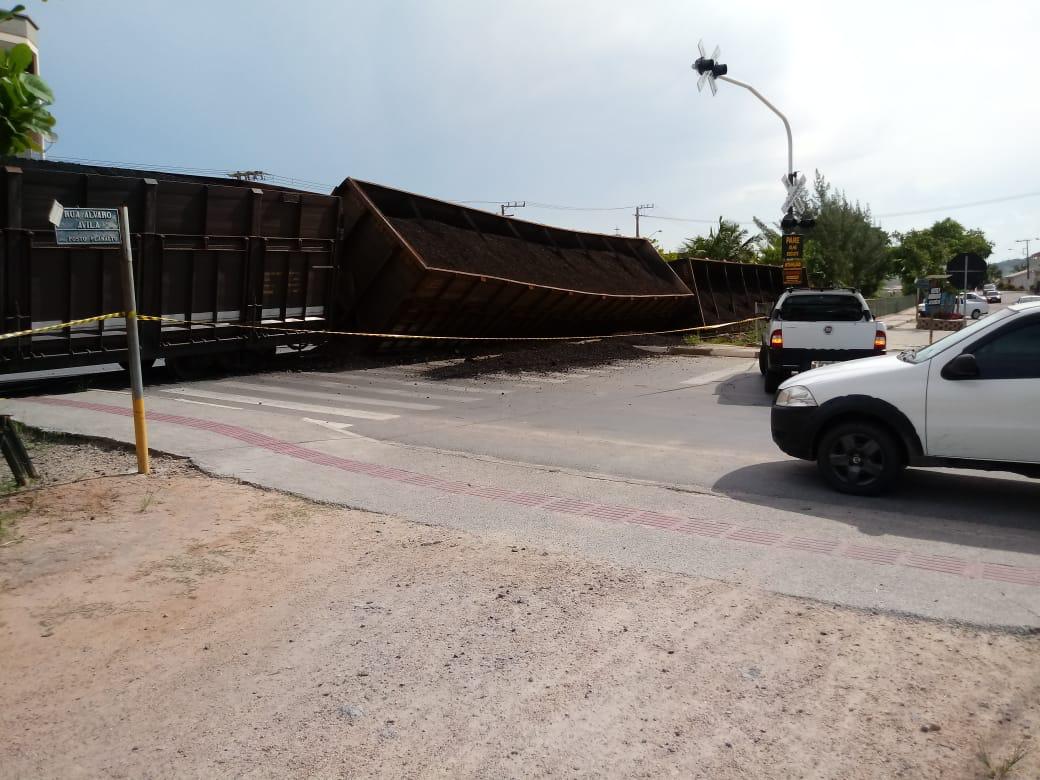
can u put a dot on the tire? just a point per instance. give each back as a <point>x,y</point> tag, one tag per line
<point>763,361</point>
<point>773,380</point>
<point>975,314</point>
<point>859,458</point>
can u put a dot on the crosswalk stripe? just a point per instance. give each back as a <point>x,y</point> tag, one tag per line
<point>412,383</point>
<point>334,397</point>
<point>565,375</point>
<point>359,414</point>
<point>205,403</point>
<point>371,388</point>
<point>715,376</point>
<point>534,378</point>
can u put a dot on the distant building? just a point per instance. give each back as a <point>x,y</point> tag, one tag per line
<point>22,29</point>
<point>1027,279</point>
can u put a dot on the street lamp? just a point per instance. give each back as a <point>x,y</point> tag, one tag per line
<point>711,69</point>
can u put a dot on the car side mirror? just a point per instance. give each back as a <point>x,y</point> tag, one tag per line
<point>961,367</point>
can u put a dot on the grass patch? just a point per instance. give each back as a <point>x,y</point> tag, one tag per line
<point>1002,769</point>
<point>147,502</point>
<point>738,338</point>
<point>7,520</point>
<point>8,484</point>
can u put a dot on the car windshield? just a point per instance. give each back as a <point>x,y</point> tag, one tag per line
<point>921,354</point>
<point>823,307</point>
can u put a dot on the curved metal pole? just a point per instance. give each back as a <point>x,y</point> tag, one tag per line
<point>775,110</point>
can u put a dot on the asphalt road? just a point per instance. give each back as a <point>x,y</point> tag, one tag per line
<point>653,436</point>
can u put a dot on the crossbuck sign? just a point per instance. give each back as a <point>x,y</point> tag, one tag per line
<point>795,191</point>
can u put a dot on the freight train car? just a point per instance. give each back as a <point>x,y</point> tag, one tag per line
<point>235,269</point>
<point>211,257</point>
<point>421,266</point>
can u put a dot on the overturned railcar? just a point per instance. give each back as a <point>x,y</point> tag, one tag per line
<point>421,266</point>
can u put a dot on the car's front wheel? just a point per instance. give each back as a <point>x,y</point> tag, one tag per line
<point>860,458</point>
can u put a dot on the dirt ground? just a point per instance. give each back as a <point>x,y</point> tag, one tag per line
<point>178,625</point>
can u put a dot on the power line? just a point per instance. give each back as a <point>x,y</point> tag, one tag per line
<point>991,201</point>
<point>293,181</point>
<point>692,219</point>
<point>185,169</point>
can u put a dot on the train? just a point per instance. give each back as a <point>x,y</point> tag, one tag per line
<point>228,271</point>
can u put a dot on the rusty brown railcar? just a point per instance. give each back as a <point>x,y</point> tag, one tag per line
<point>210,255</point>
<point>427,267</point>
<point>726,291</point>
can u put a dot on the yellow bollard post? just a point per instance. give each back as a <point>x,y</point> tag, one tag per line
<point>133,345</point>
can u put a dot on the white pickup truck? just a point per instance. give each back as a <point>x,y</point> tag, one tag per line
<point>966,401</point>
<point>809,328</point>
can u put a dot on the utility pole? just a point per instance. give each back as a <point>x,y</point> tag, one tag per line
<point>248,175</point>
<point>1026,242</point>
<point>639,210</point>
<point>513,204</point>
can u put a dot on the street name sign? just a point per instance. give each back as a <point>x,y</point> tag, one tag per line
<point>85,226</point>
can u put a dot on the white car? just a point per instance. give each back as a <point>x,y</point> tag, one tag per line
<point>968,400</point>
<point>1028,299</point>
<point>972,305</point>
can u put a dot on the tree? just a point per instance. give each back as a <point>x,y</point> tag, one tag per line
<point>769,250</point>
<point>25,121</point>
<point>919,253</point>
<point>845,249</point>
<point>729,241</point>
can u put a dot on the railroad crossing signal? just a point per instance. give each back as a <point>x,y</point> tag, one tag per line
<point>709,67</point>
<point>795,190</point>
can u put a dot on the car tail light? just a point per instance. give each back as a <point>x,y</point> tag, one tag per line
<point>776,339</point>
<point>880,340</point>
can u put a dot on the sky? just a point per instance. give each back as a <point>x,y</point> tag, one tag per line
<point>906,106</point>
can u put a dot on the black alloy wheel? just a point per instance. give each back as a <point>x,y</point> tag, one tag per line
<point>859,458</point>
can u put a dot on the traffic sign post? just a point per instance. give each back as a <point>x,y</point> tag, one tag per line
<point>967,268</point>
<point>111,227</point>
<point>792,252</point>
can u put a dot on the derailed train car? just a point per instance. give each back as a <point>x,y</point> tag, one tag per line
<point>419,266</point>
<point>235,269</point>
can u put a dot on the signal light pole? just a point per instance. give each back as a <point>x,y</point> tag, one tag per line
<point>711,69</point>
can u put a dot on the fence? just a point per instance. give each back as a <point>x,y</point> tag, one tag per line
<point>891,304</point>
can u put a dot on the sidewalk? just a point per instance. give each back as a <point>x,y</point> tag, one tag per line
<point>682,528</point>
<point>903,332</point>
